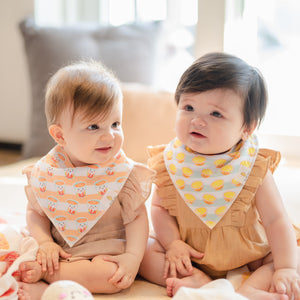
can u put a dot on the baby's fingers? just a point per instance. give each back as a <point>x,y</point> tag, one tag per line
<point>195,253</point>
<point>50,265</point>
<point>188,265</point>
<point>296,289</point>
<point>182,269</point>
<point>116,277</point>
<point>280,287</point>
<point>64,254</point>
<point>125,282</point>
<point>173,270</point>
<point>55,261</point>
<point>42,260</point>
<point>166,269</point>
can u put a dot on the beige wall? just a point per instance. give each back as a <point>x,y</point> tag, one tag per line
<point>14,81</point>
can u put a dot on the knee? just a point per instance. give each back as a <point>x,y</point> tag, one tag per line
<point>99,278</point>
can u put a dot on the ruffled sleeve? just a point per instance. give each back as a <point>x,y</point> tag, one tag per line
<point>273,158</point>
<point>266,160</point>
<point>165,188</point>
<point>29,192</point>
<point>240,213</point>
<point>135,192</point>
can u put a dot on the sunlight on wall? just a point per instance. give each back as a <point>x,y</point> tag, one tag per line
<point>266,34</point>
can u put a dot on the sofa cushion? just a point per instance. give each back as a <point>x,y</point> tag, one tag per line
<point>131,51</point>
<point>148,119</point>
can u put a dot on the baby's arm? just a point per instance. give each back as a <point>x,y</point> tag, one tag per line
<point>281,237</point>
<point>128,263</point>
<point>178,253</point>
<point>49,252</point>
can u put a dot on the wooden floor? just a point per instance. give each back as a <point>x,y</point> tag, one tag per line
<point>9,156</point>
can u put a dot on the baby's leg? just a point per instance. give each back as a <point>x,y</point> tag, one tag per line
<point>93,275</point>
<point>152,269</point>
<point>31,271</point>
<point>31,291</point>
<point>257,285</point>
<point>152,265</point>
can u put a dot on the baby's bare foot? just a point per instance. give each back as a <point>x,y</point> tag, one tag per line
<point>196,280</point>
<point>31,271</point>
<point>31,291</point>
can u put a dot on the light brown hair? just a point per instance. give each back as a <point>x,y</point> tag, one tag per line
<point>87,87</point>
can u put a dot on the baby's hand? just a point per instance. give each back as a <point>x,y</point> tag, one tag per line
<point>178,259</point>
<point>48,256</point>
<point>286,281</point>
<point>128,266</point>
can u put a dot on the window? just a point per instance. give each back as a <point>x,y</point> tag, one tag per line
<point>115,12</point>
<point>266,33</point>
<point>180,17</point>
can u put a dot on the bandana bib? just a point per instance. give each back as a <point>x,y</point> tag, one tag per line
<point>75,198</point>
<point>209,184</point>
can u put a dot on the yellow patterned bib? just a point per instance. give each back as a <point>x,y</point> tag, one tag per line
<point>209,184</point>
<point>75,198</point>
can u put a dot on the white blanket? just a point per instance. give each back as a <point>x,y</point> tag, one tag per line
<point>220,289</point>
<point>18,248</point>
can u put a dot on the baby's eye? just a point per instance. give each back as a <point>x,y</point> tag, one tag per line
<point>189,108</point>
<point>93,127</point>
<point>116,124</point>
<point>216,114</point>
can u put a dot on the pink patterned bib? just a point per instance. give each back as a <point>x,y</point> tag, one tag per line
<point>75,198</point>
<point>209,184</point>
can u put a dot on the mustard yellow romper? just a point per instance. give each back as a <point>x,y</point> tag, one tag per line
<point>239,237</point>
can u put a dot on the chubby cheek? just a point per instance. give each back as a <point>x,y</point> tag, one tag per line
<point>180,126</point>
<point>120,140</point>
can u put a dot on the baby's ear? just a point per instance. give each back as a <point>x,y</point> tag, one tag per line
<point>57,134</point>
<point>248,130</point>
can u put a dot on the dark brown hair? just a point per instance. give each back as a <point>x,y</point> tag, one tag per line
<point>87,87</point>
<point>221,70</point>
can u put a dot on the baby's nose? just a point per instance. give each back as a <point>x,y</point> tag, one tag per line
<point>106,136</point>
<point>198,121</point>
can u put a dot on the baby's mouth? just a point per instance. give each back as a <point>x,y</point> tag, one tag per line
<point>103,149</point>
<point>197,134</point>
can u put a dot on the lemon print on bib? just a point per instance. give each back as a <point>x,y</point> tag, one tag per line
<point>209,199</point>
<point>197,186</point>
<point>199,160</point>
<point>180,183</point>
<point>209,184</point>
<point>206,173</point>
<point>187,172</point>
<point>201,211</point>
<point>180,157</point>
<point>190,198</point>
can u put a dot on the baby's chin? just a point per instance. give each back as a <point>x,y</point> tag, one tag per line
<point>207,151</point>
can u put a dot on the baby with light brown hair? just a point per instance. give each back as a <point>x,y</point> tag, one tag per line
<point>85,197</point>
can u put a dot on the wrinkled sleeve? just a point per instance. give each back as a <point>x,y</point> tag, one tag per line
<point>32,201</point>
<point>135,192</point>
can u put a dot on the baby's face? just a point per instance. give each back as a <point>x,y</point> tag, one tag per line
<point>210,122</point>
<point>93,141</point>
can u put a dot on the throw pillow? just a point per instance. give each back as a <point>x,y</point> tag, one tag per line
<point>132,51</point>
